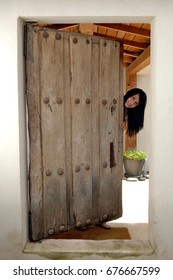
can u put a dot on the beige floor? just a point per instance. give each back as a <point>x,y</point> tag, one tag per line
<point>135,209</point>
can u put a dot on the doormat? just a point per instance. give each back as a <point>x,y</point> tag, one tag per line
<point>94,233</point>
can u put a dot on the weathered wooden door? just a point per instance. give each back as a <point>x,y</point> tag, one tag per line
<point>73,86</point>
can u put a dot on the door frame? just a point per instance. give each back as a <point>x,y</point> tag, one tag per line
<point>110,248</point>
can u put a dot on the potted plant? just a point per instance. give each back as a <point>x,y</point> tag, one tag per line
<point>133,162</point>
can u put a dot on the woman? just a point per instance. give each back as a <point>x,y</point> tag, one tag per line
<point>134,106</point>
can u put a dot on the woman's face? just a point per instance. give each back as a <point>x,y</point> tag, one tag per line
<point>132,101</point>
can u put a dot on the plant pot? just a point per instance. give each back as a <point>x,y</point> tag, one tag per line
<point>133,167</point>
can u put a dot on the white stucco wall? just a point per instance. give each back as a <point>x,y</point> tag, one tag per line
<point>13,214</point>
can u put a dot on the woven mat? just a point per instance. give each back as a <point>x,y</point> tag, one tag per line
<point>94,233</point>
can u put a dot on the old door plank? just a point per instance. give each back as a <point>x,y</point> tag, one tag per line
<point>81,128</point>
<point>120,108</point>
<point>36,231</point>
<point>109,130</point>
<point>95,77</point>
<point>52,116</point>
<point>68,129</point>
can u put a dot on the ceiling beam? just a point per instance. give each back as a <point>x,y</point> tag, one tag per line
<point>127,28</point>
<point>127,60</point>
<point>87,28</point>
<point>132,54</point>
<point>134,44</point>
<point>139,63</point>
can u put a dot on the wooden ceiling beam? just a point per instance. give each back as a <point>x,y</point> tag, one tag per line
<point>127,60</point>
<point>87,28</point>
<point>127,28</point>
<point>134,44</point>
<point>131,54</point>
<point>139,63</point>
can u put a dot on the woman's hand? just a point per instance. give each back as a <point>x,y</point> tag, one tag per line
<point>123,125</point>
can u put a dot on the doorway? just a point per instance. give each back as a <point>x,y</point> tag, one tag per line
<point>50,229</point>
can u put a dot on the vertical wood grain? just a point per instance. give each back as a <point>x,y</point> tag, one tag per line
<point>36,231</point>
<point>53,132</point>
<point>80,52</point>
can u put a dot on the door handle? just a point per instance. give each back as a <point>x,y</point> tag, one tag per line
<point>112,155</point>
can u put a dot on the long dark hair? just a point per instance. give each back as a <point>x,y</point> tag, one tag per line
<point>135,116</point>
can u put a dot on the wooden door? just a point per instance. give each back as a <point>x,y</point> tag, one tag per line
<point>74,98</point>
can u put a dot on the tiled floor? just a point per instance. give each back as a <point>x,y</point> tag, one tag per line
<point>135,209</point>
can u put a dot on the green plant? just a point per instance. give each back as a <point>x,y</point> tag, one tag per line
<point>135,154</point>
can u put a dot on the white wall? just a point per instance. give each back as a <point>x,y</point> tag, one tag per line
<point>13,213</point>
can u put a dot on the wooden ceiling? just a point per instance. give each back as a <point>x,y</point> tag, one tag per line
<point>134,37</point>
